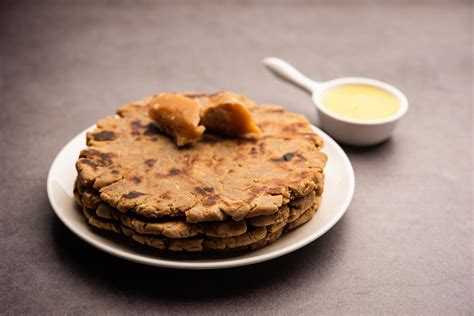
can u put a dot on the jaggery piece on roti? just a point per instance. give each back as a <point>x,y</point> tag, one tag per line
<point>140,170</point>
<point>229,114</point>
<point>177,116</point>
<point>185,118</point>
<point>204,99</point>
<point>232,97</point>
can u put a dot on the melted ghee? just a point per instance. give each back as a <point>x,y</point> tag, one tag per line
<point>359,101</point>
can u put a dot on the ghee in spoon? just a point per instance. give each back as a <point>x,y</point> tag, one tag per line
<point>360,101</point>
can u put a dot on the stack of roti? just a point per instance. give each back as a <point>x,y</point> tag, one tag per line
<point>218,194</point>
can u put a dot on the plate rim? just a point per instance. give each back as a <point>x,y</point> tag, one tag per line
<point>167,263</point>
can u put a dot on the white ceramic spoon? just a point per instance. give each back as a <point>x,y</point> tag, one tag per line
<point>347,130</point>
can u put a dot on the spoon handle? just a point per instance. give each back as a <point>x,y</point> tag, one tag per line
<point>289,73</point>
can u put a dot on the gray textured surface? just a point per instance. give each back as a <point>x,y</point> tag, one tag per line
<point>404,246</point>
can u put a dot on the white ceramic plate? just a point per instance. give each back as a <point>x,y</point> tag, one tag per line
<point>338,191</point>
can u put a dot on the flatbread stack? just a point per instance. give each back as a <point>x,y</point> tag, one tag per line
<point>218,194</point>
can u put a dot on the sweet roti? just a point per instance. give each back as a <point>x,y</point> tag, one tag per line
<point>218,195</point>
<point>179,228</point>
<point>137,169</point>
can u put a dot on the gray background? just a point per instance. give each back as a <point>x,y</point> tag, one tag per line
<point>404,246</point>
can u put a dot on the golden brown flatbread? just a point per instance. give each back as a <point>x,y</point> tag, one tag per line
<point>136,168</point>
